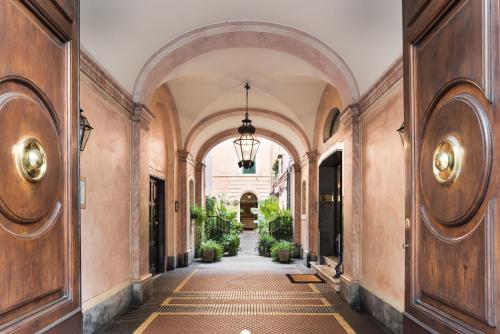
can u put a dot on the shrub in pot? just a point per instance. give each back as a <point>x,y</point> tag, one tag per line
<point>266,242</point>
<point>282,251</point>
<point>231,243</point>
<point>211,251</point>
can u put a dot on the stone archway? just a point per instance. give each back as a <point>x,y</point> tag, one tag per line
<point>239,34</point>
<point>210,143</point>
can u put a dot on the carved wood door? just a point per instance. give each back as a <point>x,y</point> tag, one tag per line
<point>39,234</point>
<point>452,87</point>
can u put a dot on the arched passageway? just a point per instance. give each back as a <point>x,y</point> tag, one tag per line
<point>248,201</point>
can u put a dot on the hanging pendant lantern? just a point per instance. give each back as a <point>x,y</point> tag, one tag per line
<point>85,129</point>
<point>246,144</point>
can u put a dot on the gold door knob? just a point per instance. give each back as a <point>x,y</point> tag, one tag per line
<point>31,159</point>
<point>447,160</point>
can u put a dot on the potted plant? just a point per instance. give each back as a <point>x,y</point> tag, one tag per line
<point>266,242</point>
<point>211,251</point>
<point>283,251</point>
<point>195,212</point>
<point>231,243</point>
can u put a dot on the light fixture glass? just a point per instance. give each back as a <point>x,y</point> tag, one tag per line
<point>85,129</point>
<point>246,144</point>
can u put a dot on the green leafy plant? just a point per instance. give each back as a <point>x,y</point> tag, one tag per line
<point>211,251</point>
<point>231,243</point>
<point>275,167</point>
<point>266,242</point>
<point>281,228</point>
<point>269,208</point>
<point>198,214</point>
<point>287,247</point>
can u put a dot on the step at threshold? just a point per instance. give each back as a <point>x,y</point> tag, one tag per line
<point>327,273</point>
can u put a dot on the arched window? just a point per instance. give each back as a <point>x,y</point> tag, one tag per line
<point>332,124</point>
<point>304,197</point>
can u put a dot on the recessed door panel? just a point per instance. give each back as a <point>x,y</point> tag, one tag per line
<point>39,252</point>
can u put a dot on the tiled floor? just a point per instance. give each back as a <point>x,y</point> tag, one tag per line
<point>246,292</point>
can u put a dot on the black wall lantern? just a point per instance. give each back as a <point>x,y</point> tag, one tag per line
<point>401,132</point>
<point>246,144</point>
<point>85,129</point>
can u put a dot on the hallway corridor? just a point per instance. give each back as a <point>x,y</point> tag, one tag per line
<point>242,292</point>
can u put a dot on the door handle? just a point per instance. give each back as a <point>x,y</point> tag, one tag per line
<point>404,245</point>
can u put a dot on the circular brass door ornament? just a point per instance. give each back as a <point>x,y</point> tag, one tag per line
<point>447,160</point>
<point>31,159</point>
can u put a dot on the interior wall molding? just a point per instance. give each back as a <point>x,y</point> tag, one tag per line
<point>106,82</point>
<point>388,79</point>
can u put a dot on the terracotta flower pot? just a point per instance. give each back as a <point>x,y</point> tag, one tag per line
<point>208,255</point>
<point>283,255</point>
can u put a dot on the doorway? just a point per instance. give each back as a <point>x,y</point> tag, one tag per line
<point>330,208</point>
<point>156,225</point>
<point>247,218</point>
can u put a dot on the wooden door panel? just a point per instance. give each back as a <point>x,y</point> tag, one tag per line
<point>450,115</point>
<point>437,62</point>
<point>39,270</point>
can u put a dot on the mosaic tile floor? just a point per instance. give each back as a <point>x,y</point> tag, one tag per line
<point>242,294</point>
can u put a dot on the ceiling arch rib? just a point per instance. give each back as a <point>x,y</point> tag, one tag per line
<point>221,136</point>
<point>262,119</point>
<point>266,127</point>
<point>279,81</point>
<point>241,34</point>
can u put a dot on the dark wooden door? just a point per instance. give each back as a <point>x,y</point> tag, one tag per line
<point>156,225</point>
<point>39,233</point>
<point>452,87</point>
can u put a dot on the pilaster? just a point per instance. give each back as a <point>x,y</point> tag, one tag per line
<point>199,182</point>
<point>297,214</point>
<point>141,279</point>
<point>312,252</point>
<point>350,279</point>
<point>182,212</point>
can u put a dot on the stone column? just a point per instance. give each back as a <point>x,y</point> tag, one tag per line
<point>182,214</point>
<point>349,287</point>
<point>297,197</point>
<point>142,283</point>
<point>312,252</point>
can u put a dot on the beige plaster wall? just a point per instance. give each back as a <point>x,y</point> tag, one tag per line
<point>158,158</point>
<point>105,222</point>
<point>383,198</point>
<point>340,141</point>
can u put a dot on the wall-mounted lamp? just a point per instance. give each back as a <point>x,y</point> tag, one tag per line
<point>401,132</point>
<point>85,129</point>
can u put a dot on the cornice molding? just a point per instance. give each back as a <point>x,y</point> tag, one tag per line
<point>296,167</point>
<point>388,79</point>
<point>142,115</point>
<point>187,157</point>
<point>350,115</point>
<point>106,82</point>
<point>200,167</point>
<point>312,156</point>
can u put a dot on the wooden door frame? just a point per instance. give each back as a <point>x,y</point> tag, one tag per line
<point>162,256</point>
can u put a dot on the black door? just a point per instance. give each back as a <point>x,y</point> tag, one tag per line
<point>330,207</point>
<point>156,225</point>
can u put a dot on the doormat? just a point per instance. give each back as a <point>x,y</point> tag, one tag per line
<point>305,278</point>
